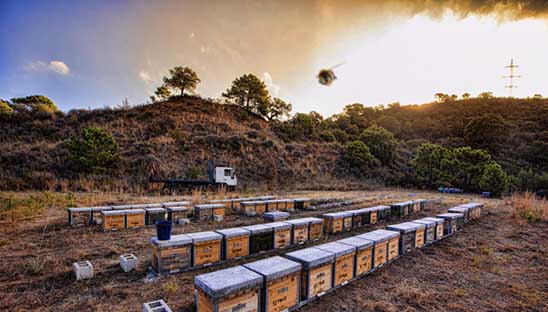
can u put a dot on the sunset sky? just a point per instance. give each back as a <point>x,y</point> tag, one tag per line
<point>96,53</point>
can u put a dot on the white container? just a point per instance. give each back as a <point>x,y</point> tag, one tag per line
<point>82,270</point>
<point>156,306</point>
<point>128,262</point>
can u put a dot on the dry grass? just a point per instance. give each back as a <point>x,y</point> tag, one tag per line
<point>527,207</point>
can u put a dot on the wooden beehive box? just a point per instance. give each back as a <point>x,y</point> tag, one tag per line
<point>345,258</point>
<point>408,233</point>
<point>451,222</point>
<point>247,208</point>
<point>235,243</point>
<point>171,256</point>
<point>218,210</point>
<point>282,204</point>
<point>398,210</point>
<point>97,213</point>
<point>135,218</point>
<point>80,216</point>
<point>464,209</point>
<point>357,217</point>
<point>113,219</point>
<point>154,214</point>
<point>232,289</point>
<point>299,230</point>
<point>281,283</point>
<point>364,254</point>
<point>206,248</point>
<point>290,204</point>
<point>315,228</point>
<point>271,205</point>
<point>282,234</point>
<point>274,216</point>
<point>204,212</point>
<point>430,230</point>
<point>439,227</point>
<point>419,204</point>
<point>381,213</point>
<point>373,213</point>
<point>475,210</point>
<point>380,252</point>
<point>174,214</point>
<point>334,222</point>
<point>262,238</point>
<point>316,273</point>
<point>301,203</point>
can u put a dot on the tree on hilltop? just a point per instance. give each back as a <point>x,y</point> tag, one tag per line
<point>182,78</point>
<point>249,92</point>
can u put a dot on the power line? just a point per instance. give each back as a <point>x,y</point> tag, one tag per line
<point>511,86</point>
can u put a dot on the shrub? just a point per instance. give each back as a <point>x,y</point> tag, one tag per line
<point>494,179</point>
<point>381,142</point>
<point>94,151</point>
<point>357,155</point>
<point>528,208</point>
<point>327,136</point>
<point>5,109</point>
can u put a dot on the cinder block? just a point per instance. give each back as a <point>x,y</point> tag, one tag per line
<point>128,262</point>
<point>218,218</point>
<point>156,306</point>
<point>183,221</point>
<point>82,270</point>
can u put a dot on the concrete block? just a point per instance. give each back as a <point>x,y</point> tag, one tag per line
<point>128,262</point>
<point>156,306</point>
<point>82,270</point>
<point>218,218</point>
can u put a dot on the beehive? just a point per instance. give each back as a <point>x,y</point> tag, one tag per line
<point>464,209</point>
<point>274,216</point>
<point>475,210</point>
<point>275,205</point>
<point>123,207</point>
<point>419,204</point>
<point>398,210</point>
<point>282,234</point>
<point>299,230</point>
<point>206,248</point>
<point>113,219</point>
<point>345,258</point>
<point>135,218</point>
<point>358,217</point>
<point>154,214</point>
<point>281,283</point>
<point>301,203</point>
<point>439,227</point>
<point>317,271</point>
<point>281,204</point>
<point>218,210</point>
<point>364,254</point>
<point>235,243</point>
<point>336,222</point>
<point>176,204</point>
<point>451,222</point>
<point>412,235</point>
<point>207,212</point>
<point>252,208</point>
<point>430,230</point>
<point>262,238</point>
<point>290,205</point>
<point>315,228</point>
<point>383,213</point>
<point>174,214</point>
<point>97,214</point>
<point>80,216</point>
<point>232,289</point>
<point>381,239</point>
<point>171,256</point>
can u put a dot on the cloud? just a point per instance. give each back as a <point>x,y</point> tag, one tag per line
<point>144,76</point>
<point>57,67</point>
<point>272,87</point>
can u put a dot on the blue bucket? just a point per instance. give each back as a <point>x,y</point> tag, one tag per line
<point>163,230</point>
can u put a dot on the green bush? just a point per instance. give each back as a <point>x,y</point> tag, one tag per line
<point>381,142</point>
<point>494,179</point>
<point>357,156</point>
<point>5,109</point>
<point>94,151</point>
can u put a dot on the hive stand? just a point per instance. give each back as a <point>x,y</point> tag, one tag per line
<point>156,306</point>
<point>82,270</point>
<point>128,262</point>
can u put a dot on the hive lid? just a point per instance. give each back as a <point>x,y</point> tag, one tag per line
<point>208,206</point>
<point>263,197</point>
<point>101,208</point>
<point>356,242</point>
<point>311,257</point>
<point>122,207</point>
<point>279,225</point>
<point>134,211</point>
<point>303,199</point>
<point>402,203</point>
<point>337,248</point>
<point>271,201</point>
<point>312,220</point>
<point>427,223</point>
<point>379,236</point>
<point>258,228</point>
<point>298,222</point>
<point>221,283</point>
<point>419,200</point>
<point>175,204</point>
<point>276,214</point>
<point>437,220</point>
<point>175,240</point>
<point>215,201</point>
<point>337,215</point>
<point>204,236</point>
<point>140,206</point>
<point>358,212</point>
<point>114,212</point>
<point>233,232</point>
<point>155,210</point>
<point>253,202</point>
<point>274,267</point>
<point>459,209</point>
<point>406,227</point>
<point>177,209</point>
<point>80,209</point>
<point>450,215</point>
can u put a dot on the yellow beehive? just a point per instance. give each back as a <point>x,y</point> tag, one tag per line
<point>364,254</point>
<point>206,248</point>
<point>113,219</point>
<point>235,243</point>
<point>345,259</point>
<point>317,271</point>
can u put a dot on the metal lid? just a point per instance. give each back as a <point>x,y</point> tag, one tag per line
<point>379,236</point>
<point>177,209</point>
<point>258,228</point>
<point>356,242</point>
<point>459,209</point>
<point>144,206</point>
<point>204,236</point>
<point>175,240</point>
<point>208,206</point>
<point>155,210</point>
<point>233,232</point>
<point>406,227</point>
<point>101,208</point>
<point>450,215</point>
<point>221,283</point>
<point>279,225</point>
<point>437,220</point>
<point>357,212</point>
<point>113,212</point>
<point>175,204</point>
<point>337,248</point>
<point>337,215</point>
<point>427,223</point>
<point>79,209</point>
<point>301,199</point>
<point>298,222</point>
<point>134,211</point>
<point>312,220</point>
<point>276,214</point>
<point>254,202</point>
<point>123,207</point>
<point>402,203</point>
<point>311,257</point>
<point>274,268</point>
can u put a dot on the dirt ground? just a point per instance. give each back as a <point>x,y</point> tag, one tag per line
<point>494,264</point>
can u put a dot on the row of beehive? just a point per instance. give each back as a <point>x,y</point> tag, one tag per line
<point>258,207</point>
<point>204,248</point>
<point>284,283</point>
